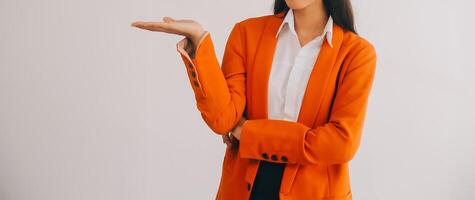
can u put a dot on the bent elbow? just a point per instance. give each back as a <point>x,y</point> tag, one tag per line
<point>219,126</point>
<point>346,152</point>
<point>221,129</point>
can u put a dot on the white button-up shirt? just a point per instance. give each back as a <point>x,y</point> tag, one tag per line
<point>291,69</point>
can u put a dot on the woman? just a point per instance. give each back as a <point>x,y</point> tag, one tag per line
<point>289,98</point>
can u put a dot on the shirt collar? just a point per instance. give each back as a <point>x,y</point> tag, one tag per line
<point>289,19</point>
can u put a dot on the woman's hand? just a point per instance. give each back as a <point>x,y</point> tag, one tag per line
<point>229,140</point>
<point>186,27</point>
<point>235,134</point>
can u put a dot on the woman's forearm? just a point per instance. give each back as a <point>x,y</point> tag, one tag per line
<point>220,90</point>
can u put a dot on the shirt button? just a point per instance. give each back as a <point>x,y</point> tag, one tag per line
<point>196,83</point>
<point>193,73</point>
<point>190,65</point>
<point>274,157</point>
<point>265,156</point>
<point>284,158</point>
<point>248,186</point>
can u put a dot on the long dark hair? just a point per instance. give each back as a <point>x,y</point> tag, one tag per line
<point>341,12</point>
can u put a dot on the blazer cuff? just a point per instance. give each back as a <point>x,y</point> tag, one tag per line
<point>185,44</point>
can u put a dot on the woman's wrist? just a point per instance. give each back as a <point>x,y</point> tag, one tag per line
<point>196,38</point>
<point>193,42</point>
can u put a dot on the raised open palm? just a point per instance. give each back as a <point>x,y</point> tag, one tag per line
<point>193,30</point>
<point>186,27</point>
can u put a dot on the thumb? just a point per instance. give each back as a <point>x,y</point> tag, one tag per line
<point>168,19</point>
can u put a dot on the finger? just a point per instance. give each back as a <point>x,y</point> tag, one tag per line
<point>153,26</point>
<point>227,140</point>
<point>139,23</point>
<point>149,25</point>
<point>186,20</point>
<point>229,143</point>
<point>159,29</point>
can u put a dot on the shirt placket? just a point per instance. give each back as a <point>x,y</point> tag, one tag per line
<point>293,89</point>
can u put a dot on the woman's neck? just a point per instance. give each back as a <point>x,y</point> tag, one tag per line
<point>310,21</point>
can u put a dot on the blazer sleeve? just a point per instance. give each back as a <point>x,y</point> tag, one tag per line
<point>334,142</point>
<point>219,90</point>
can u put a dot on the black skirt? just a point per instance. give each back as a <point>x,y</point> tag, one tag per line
<point>267,182</point>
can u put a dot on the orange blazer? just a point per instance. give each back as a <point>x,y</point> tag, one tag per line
<point>327,134</point>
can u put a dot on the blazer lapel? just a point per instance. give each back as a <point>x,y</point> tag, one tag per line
<point>319,78</point>
<point>262,66</point>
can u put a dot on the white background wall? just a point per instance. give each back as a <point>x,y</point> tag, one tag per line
<point>94,109</point>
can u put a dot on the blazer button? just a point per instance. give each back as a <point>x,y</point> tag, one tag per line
<point>274,157</point>
<point>284,158</point>
<point>248,186</point>
<point>265,156</point>
<point>193,73</point>
<point>196,83</point>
